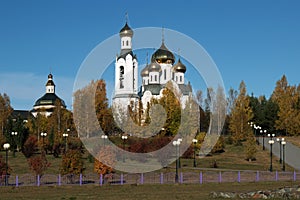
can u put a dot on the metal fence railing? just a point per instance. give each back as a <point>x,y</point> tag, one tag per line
<point>149,178</point>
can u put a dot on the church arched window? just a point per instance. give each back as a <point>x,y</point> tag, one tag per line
<point>127,43</point>
<point>165,74</point>
<point>121,76</point>
<point>133,77</point>
<point>180,78</point>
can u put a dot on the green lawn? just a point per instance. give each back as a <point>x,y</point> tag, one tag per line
<point>232,158</point>
<point>132,192</point>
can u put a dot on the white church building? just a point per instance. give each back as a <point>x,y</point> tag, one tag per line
<point>155,75</point>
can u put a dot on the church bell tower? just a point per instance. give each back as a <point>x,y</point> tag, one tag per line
<point>126,71</point>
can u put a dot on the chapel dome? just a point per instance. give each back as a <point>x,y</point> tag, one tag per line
<point>49,99</point>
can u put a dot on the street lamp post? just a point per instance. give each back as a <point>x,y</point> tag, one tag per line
<point>263,132</point>
<point>6,147</point>
<point>14,134</point>
<point>104,137</point>
<point>195,142</point>
<point>283,154</point>
<point>124,138</point>
<point>65,135</point>
<point>43,135</point>
<point>176,143</point>
<point>280,140</point>
<point>271,142</point>
<point>255,130</point>
<point>179,161</point>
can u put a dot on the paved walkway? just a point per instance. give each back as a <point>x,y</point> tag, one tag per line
<point>292,152</point>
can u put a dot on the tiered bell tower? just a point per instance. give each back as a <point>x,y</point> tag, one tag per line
<point>126,71</point>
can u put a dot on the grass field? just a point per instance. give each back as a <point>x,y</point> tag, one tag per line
<point>232,158</point>
<point>132,192</point>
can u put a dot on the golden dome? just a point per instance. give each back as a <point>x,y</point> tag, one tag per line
<point>179,67</point>
<point>154,67</point>
<point>145,71</point>
<point>163,55</point>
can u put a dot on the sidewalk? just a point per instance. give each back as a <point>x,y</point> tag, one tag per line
<point>292,152</point>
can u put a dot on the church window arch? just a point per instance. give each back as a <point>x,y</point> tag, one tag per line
<point>121,76</point>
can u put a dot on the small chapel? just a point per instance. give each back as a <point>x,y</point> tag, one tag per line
<point>46,104</point>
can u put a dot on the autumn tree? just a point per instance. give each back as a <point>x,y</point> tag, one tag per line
<point>3,167</point>
<point>219,109</point>
<point>250,148</point>
<point>287,98</point>
<point>58,122</point>
<point>38,164</point>
<point>105,160</point>
<point>172,107</point>
<point>5,112</point>
<point>30,146</point>
<point>241,114</point>
<point>232,95</point>
<point>103,112</point>
<point>88,101</point>
<point>37,124</point>
<point>72,162</point>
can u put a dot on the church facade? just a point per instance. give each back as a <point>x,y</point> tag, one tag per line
<point>162,69</point>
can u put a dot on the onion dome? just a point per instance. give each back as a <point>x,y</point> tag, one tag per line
<point>145,71</point>
<point>179,67</point>
<point>126,31</point>
<point>163,55</point>
<point>154,67</point>
<point>50,80</point>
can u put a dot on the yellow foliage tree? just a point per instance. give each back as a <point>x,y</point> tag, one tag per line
<point>288,99</point>
<point>241,114</point>
<point>105,155</point>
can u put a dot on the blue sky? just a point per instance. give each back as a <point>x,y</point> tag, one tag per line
<point>255,41</point>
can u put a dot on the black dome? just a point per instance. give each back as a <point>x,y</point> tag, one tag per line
<point>126,31</point>
<point>50,81</point>
<point>49,99</point>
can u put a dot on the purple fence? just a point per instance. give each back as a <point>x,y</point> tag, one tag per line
<point>201,177</point>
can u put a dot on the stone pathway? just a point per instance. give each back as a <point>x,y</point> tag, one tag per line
<point>282,193</point>
<point>292,152</point>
